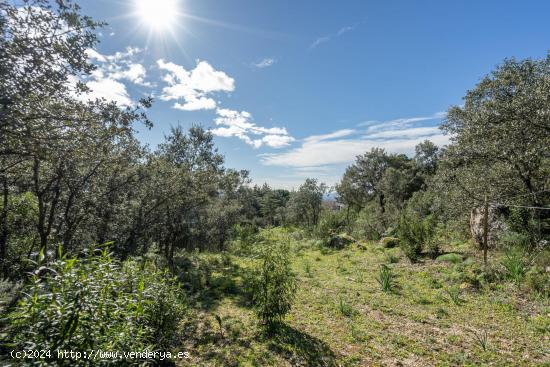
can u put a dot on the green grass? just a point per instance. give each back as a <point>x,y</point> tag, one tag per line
<point>342,317</point>
<point>452,258</point>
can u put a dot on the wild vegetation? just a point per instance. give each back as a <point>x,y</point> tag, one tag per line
<point>107,244</point>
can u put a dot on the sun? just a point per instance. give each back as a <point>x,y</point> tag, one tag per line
<point>157,15</point>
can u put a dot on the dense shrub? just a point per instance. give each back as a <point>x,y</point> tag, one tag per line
<point>96,303</point>
<point>414,232</point>
<point>389,242</point>
<point>273,282</point>
<point>452,258</point>
<point>369,224</point>
<point>515,239</point>
<point>538,280</point>
<point>330,224</point>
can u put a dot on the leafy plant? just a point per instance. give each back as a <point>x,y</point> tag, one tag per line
<point>515,264</point>
<point>392,258</point>
<point>386,278</point>
<point>454,295</point>
<point>274,284</point>
<point>307,269</point>
<point>95,302</point>
<point>452,258</point>
<point>482,339</point>
<point>414,232</point>
<point>345,308</point>
<point>538,281</point>
<point>389,242</point>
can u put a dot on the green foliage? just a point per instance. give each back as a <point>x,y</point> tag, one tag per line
<point>414,232</point>
<point>514,261</point>
<point>369,224</point>
<point>454,295</point>
<point>305,204</point>
<point>451,257</point>
<point>389,242</point>
<point>511,239</point>
<point>482,339</point>
<point>330,224</point>
<point>500,136</point>
<point>9,290</point>
<point>537,280</point>
<point>392,258</point>
<point>386,278</point>
<point>95,302</point>
<point>344,308</point>
<point>273,284</point>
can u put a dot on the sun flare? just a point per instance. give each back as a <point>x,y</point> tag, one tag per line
<point>157,15</point>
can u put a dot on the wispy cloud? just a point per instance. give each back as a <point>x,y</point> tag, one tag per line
<point>319,41</point>
<point>346,29</point>
<point>324,39</point>
<point>265,63</point>
<point>342,146</point>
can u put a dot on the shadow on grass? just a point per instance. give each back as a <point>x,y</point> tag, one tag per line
<point>207,281</point>
<point>299,348</point>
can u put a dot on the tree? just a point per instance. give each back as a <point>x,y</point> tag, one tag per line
<point>305,204</point>
<point>42,56</point>
<point>426,157</point>
<point>500,136</point>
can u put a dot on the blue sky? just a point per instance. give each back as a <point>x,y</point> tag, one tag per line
<point>296,89</point>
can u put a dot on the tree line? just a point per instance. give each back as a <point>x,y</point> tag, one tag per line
<point>73,173</point>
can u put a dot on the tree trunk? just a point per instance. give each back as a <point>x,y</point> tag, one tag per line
<point>4,224</point>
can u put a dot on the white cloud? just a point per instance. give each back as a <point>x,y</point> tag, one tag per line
<point>342,146</point>
<point>277,141</point>
<point>94,55</point>
<point>194,104</point>
<point>193,88</point>
<point>109,89</point>
<point>265,63</point>
<point>107,80</point>
<point>239,124</point>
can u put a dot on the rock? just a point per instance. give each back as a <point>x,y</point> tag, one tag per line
<point>496,226</point>
<point>340,241</point>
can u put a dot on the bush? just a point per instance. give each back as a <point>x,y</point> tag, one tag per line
<point>95,302</point>
<point>515,239</point>
<point>389,242</point>
<point>452,258</point>
<point>369,223</point>
<point>273,282</point>
<point>414,232</point>
<point>538,280</point>
<point>330,224</point>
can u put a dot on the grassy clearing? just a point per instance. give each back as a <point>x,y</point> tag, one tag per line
<point>343,317</point>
